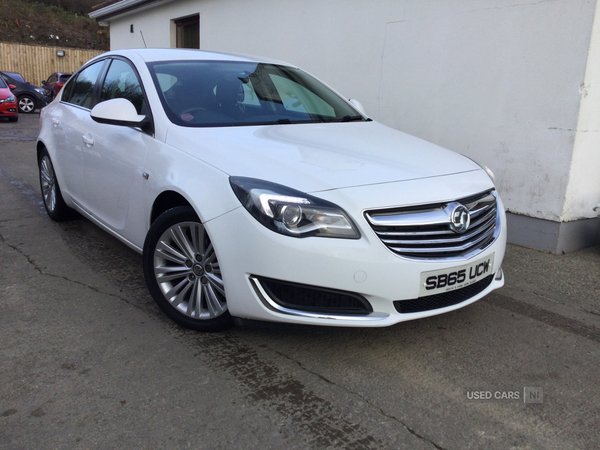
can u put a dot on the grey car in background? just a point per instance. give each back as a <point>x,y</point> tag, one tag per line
<point>29,97</point>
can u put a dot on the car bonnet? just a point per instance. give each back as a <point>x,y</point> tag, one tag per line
<point>319,157</point>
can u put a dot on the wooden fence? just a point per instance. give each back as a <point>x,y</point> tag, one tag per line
<point>37,63</point>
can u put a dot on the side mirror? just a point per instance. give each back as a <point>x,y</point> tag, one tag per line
<point>358,105</point>
<point>118,111</point>
<point>12,86</point>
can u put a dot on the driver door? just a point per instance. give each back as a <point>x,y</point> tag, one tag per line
<point>114,156</point>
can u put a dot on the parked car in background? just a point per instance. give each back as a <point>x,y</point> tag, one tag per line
<point>254,190</point>
<point>16,76</point>
<point>29,97</point>
<point>54,84</point>
<point>8,102</point>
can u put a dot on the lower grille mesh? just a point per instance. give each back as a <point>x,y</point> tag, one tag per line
<point>442,300</point>
<point>313,299</point>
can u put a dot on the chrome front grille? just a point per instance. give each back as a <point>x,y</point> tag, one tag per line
<point>437,231</point>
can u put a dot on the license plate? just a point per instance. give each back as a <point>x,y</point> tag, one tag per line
<point>438,281</point>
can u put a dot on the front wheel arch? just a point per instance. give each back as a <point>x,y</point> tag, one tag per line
<point>165,201</point>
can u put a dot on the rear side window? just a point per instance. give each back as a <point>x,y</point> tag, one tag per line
<point>81,90</point>
<point>9,80</point>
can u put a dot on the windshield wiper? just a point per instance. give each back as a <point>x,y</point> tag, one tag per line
<point>352,118</point>
<point>347,118</point>
<point>288,121</point>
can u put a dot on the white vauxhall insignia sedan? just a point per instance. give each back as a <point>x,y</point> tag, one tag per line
<point>254,190</point>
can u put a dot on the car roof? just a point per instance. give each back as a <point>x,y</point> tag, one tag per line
<point>172,54</point>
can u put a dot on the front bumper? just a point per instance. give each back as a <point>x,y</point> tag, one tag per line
<point>8,110</point>
<point>249,252</point>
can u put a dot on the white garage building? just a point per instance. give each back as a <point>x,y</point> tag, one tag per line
<point>513,84</point>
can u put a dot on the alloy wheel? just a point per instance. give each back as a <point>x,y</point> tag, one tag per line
<point>188,273</point>
<point>48,183</point>
<point>26,105</point>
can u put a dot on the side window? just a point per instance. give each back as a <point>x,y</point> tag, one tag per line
<point>122,82</point>
<point>82,88</point>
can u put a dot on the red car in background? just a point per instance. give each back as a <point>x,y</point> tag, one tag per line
<point>54,83</point>
<point>8,102</point>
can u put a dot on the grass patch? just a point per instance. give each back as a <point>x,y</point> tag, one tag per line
<point>37,24</point>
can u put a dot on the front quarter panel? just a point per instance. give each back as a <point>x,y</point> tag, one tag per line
<point>206,188</point>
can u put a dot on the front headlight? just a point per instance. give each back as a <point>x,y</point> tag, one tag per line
<point>290,212</point>
<point>40,90</point>
<point>10,99</point>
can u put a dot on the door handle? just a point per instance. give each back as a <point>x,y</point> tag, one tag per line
<point>87,140</point>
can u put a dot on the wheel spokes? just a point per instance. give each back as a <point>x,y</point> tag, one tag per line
<point>170,253</point>
<point>188,273</point>
<point>48,183</point>
<point>214,305</point>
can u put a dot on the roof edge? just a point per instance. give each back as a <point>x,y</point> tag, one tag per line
<point>123,8</point>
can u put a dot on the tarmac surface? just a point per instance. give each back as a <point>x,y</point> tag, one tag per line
<point>88,361</point>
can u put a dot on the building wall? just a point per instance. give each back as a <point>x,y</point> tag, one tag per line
<point>583,191</point>
<point>501,81</point>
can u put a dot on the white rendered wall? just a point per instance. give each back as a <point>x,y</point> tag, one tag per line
<point>497,80</point>
<point>583,192</point>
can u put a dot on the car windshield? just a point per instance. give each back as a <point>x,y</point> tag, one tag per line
<point>2,84</point>
<point>230,93</point>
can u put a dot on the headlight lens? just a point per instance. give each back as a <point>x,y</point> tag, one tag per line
<point>41,91</point>
<point>10,99</point>
<point>290,212</point>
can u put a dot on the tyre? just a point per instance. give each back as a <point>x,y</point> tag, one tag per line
<point>182,271</point>
<point>27,104</point>
<point>53,201</point>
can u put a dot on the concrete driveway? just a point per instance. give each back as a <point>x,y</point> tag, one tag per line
<point>88,361</point>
